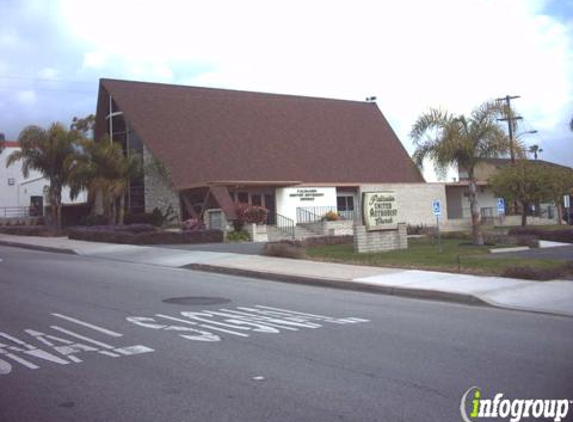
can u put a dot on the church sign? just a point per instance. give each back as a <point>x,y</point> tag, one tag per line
<point>380,211</point>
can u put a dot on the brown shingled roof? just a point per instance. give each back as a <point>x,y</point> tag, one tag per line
<point>206,135</point>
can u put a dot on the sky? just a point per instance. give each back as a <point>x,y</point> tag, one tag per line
<point>410,54</point>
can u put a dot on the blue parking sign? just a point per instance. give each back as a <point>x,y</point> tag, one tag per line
<point>501,205</point>
<point>436,207</point>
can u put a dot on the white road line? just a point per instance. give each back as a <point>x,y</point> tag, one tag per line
<point>86,324</point>
<point>76,335</point>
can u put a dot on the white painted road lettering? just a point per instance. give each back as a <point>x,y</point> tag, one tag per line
<point>59,349</point>
<point>239,322</point>
<point>92,326</point>
<point>63,346</point>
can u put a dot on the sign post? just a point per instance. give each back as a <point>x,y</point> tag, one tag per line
<point>501,210</point>
<point>437,209</point>
<point>567,207</point>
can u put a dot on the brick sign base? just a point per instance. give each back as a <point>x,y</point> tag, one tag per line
<point>379,240</point>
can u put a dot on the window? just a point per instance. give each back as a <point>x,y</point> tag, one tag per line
<point>256,200</point>
<point>345,203</point>
<point>11,181</point>
<point>243,197</point>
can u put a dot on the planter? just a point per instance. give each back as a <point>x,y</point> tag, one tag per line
<point>257,232</point>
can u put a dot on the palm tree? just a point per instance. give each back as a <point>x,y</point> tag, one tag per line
<point>103,169</point>
<point>450,140</point>
<point>49,152</point>
<point>535,149</point>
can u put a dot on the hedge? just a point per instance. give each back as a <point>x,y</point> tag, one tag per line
<point>145,238</point>
<point>27,231</point>
<point>561,235</point>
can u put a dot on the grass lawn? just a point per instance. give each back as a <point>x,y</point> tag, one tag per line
<point>423,254</point>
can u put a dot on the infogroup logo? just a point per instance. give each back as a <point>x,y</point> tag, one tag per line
<point>512,409</point>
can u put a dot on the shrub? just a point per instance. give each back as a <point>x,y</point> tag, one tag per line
<point>284,250</point>
<point>93,220</point>
<point>250,214</point>
<point>513,240</point>
<point>415,229</point>
<point>240,236</point>
<point>155,218</point>
<point>192,224</point>
<point>531,273</point>
<point>562,235</point>
<point>27,230</point>
<point>155,237</point>
<point>331,216</point>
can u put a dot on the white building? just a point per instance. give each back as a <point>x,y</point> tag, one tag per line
<point>20,196</point>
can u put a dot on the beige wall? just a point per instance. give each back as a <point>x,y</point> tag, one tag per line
<point>415,200</point>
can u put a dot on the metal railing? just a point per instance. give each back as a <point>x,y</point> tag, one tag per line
<point>285,225</point>
<point>14,212</point>
<point>306,215</point>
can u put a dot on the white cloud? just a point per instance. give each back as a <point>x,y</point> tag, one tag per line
<point>48,73</point>
<point>27,97</point>
<point>410,54</point>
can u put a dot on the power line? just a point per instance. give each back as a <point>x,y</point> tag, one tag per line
<point>510,119</point>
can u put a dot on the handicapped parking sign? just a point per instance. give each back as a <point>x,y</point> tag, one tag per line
<point>437,207</point>
<point>501,205</point>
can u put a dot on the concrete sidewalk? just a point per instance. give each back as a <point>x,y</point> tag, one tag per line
<point>554,297</point>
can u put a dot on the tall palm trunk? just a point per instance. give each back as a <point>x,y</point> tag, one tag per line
<point>121,210</point>
<point>55,194</point>
<point>477,235</point>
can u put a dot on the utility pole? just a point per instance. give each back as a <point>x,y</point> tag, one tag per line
<point>510,120</point>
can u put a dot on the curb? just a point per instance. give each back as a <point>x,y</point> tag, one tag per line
<point>37,247</point>
<point>346,285</point>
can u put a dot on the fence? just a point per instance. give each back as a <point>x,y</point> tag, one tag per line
<point>285,225</point>
<point>16,212</point>
<point>306,215</point>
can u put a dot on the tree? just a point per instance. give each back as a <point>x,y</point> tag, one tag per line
<point>526,183</point>
<point>103,168</point>
<point>49,152</point>
<point>560,183</point>
<point>85,125</point>
<point>449,140</point>
<point>535,149</point>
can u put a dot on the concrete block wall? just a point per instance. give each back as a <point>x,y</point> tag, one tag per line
<point>158,190</point>
<point>380,240</point>
<point>257,233</point>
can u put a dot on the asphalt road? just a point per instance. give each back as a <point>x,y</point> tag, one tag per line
<point>83,339</point>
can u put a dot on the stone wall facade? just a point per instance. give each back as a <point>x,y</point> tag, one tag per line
<point>379,240</point>
<point>158,190</point>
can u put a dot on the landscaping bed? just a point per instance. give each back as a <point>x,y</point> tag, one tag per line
<point>28,231</point>
<point>143,234</point>
<point>564,234</point>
